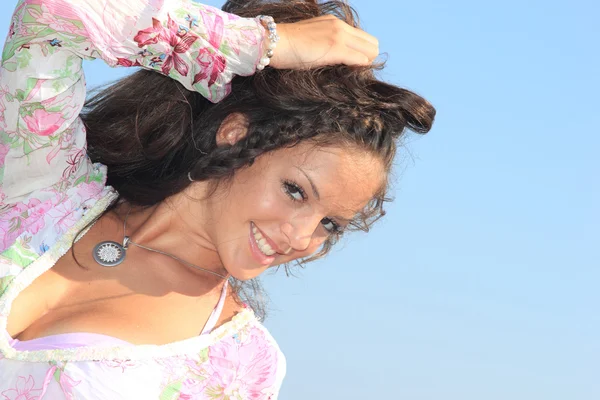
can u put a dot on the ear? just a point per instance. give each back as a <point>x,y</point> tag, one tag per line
<point>233,128</point>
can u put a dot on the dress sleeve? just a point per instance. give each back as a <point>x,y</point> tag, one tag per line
<point>42,87</point>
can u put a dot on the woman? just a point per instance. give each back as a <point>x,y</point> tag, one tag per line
<point>117,252</point>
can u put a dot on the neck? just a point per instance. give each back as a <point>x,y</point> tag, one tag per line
<point>178,226</point>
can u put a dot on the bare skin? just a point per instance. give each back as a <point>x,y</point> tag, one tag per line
<point>153,299</point>
<point>320,41</point>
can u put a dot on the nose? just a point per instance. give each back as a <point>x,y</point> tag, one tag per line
<point>300,232</point>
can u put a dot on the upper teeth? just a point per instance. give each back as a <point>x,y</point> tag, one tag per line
<point>262,242</point>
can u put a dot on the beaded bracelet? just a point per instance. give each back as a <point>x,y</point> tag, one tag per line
<point>269,23</point>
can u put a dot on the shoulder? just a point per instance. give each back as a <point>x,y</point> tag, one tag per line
<point>30,226</point>
<point>46,221</point>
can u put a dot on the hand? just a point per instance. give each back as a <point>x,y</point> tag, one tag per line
<point>324,40</point>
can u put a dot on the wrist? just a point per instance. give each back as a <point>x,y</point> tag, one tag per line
<point>270,40</point>
<point>282,44</point>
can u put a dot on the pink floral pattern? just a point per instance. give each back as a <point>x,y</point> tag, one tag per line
<point>2,109</point>
<point>65,382</point>
<point>239,369</point>
<point>23,390</point>
<point>120,364</point>
<point>43,123</point>
<point>23,217</point>
<point>212,62</point>
<point>179,40</point>
<point>47,182</point>
<point>45,17</point>
<point>4,148</point>
<point>62,216</point>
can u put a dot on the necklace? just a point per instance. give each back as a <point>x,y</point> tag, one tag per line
<point>110,254</point>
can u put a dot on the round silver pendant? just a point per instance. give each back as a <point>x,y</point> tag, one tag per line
<point>109,253</point>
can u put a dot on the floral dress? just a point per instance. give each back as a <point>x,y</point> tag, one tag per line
<point>50,190</point>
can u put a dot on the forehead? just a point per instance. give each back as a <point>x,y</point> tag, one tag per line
<point>346,177</point>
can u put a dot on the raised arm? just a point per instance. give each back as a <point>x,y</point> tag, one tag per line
<point>42,87</point>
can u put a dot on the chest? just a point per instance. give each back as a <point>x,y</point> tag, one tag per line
<point>138,302</point>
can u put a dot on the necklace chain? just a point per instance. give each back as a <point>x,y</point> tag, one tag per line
<point>111,254</point>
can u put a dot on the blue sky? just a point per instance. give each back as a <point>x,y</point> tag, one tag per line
<point>482,281</point>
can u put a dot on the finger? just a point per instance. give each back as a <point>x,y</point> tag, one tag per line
<point>361,45</point>
<point>353,57</point>
<point>354,31</point>
<point>364,35</point>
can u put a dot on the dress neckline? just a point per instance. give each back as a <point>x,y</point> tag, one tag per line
<point>67,340</point>
<point>98,352</point>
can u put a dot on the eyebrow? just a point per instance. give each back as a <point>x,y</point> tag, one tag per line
<point>312,184</point>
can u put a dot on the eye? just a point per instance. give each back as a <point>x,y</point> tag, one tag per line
<point>295,192</point>
<point>331,226</point>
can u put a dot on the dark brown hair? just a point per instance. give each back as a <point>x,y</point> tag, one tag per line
<point>150,131</point>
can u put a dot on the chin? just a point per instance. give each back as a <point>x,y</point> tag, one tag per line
<point>245,274</point>
<point>243,268</point>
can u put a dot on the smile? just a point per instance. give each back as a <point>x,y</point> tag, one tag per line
<point>261,242</point>
<point>260,248</point>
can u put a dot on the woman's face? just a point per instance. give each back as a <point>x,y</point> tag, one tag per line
<point>288,203</point>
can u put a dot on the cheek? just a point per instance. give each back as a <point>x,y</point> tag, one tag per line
<point>263,201</point>
<point>269,200</point>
